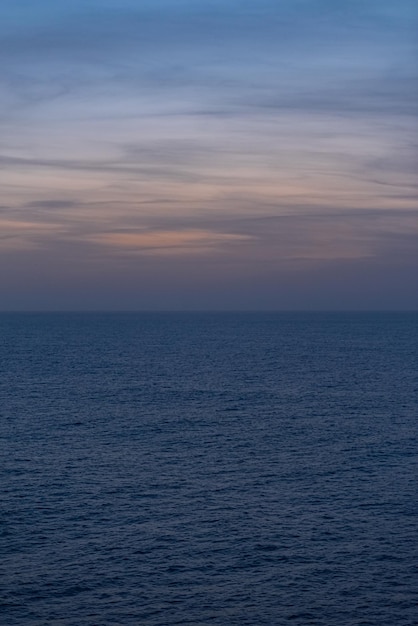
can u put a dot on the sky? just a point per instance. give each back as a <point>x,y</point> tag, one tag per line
<point>208,154</point>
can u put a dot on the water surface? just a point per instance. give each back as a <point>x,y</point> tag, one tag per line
<point>222,469</point>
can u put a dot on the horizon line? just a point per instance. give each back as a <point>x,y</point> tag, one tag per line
<point>191,311</point>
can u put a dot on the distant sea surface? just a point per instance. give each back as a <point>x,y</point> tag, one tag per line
<point>208,469</point>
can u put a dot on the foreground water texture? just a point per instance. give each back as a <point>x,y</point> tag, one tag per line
<point>221,469</point>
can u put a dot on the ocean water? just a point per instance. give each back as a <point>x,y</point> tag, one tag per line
<point>208,469</point>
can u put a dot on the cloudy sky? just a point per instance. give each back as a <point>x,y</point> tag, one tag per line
<point>208,154</point>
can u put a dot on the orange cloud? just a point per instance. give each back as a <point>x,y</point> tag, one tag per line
<point>167,241</point>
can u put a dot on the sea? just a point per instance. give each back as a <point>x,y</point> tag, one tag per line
<point>208,469</point>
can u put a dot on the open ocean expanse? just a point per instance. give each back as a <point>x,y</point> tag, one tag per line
<point>209,469</point>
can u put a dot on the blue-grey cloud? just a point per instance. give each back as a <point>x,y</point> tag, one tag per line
<point>174,45</point>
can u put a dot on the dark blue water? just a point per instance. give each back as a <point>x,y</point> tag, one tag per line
<point>216,469</point>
